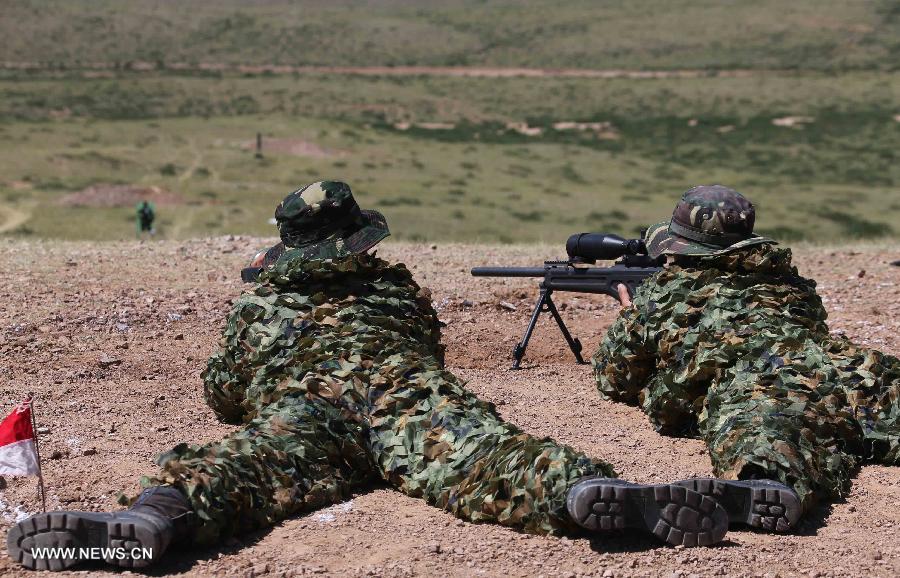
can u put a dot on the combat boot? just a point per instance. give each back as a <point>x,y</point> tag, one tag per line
<point>763,504</point>
<point>672,513</point>
<point>135,538</point>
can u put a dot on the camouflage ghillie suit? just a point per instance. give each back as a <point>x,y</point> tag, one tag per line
<point>335,367</point>
<point>734,347</point>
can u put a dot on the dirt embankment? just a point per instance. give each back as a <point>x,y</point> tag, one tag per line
<point>112,338</point>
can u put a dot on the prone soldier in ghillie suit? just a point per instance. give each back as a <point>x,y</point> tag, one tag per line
<point>729,343</point>
<point>333,363</point>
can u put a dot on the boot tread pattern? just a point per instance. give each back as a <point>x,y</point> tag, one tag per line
<point>674,514</point>
<point>607,512</point>
<point>768,511</point>
<point>760,504</point>
<point>80,530</point>
<point>686,517</point>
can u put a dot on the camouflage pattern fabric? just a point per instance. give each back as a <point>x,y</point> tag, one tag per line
<point>661,241</point>
<point>336,369</point>
<point>708,220</point>
<point>734,348</point>
<point>324,219</point>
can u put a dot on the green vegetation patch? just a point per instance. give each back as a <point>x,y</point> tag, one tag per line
<point>619,191</point>
<point>637,34</point>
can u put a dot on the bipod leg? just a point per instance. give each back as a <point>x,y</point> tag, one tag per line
<point>519,349</point>
<point>573,342</point>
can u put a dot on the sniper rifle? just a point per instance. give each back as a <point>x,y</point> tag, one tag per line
<point>578,275</point>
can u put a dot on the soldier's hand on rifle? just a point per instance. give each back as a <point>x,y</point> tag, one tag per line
<point>624,297</point>
<point>258,259</point>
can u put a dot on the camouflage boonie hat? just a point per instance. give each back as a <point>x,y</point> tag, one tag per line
<point>324,221</point>
<point>708,220</point>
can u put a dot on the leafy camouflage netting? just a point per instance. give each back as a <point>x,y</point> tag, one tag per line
<point>337,371</point>
<point>735,347</point>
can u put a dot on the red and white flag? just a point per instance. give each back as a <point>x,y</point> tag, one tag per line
<point>18,453</point>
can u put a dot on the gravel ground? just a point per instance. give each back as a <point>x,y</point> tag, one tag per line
<point>112,339</point>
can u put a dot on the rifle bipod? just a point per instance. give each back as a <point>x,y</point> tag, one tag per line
<point>545,304</point>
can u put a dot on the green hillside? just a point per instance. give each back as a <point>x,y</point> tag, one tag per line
<point>634,34</point>
<point>809,128</point>
<point>452,159</point>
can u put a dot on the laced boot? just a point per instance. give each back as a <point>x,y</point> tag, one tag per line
<point>135,538</point>
<point>672,513</point>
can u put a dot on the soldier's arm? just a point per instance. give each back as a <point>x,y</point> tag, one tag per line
<point>624,297</point>
<point>230,370</point>
<point>626,357</point>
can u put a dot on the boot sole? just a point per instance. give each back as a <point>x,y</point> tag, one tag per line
<point>674,514</point>
<point>75,530</point>
<point>763,504</point>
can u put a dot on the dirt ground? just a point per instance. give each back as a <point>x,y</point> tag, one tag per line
<point>112,339</point>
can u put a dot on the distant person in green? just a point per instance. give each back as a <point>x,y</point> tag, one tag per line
<point>729,344</point>
<point>145,215</point>
<point>333,365</point>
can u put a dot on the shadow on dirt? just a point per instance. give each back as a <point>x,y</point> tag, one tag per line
<point>184,558</point>
<point>815,519</point>
<point>636,541</point>
<point>495,340</point>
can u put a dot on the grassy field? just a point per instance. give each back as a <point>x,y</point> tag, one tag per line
<point>133,95</point>
<point>475,159</point>
<point>482,179</point>
<point>801,34</point>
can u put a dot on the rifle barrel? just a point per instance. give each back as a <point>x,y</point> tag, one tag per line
<point>509,271</point>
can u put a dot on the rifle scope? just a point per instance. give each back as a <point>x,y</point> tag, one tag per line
<point>602,247</point>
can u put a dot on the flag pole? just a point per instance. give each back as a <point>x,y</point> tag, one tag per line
<point>38,452</point>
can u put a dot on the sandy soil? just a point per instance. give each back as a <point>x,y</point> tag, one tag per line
<point>112,338</point>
